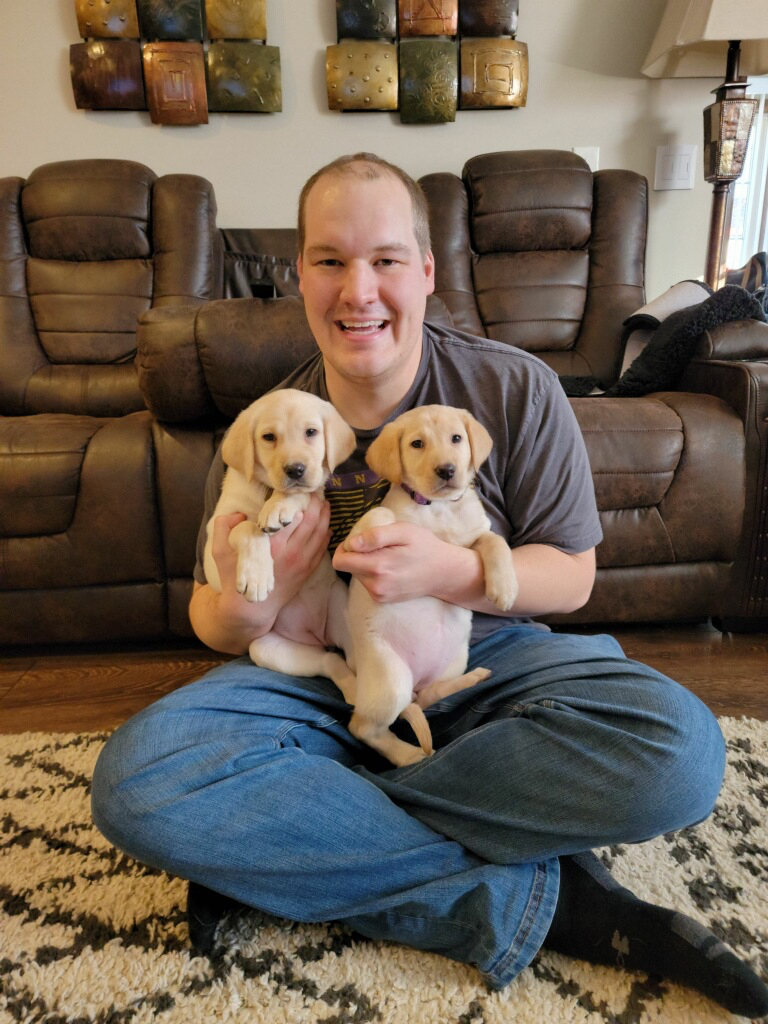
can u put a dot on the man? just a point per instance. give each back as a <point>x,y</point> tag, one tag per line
<point>248,783</point>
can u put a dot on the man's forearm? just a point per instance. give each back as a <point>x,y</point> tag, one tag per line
<point>550,581</point>
<point>227,624</point>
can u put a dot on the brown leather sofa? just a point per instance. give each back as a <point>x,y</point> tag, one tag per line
<point>533,249</point>
<point>86,246</point>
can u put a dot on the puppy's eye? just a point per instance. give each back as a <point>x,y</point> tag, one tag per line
<point>268,437</point>
<point>417,444</point>
<point>310,432</point>
<point>457,439</point>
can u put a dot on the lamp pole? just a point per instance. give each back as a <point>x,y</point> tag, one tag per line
<point>727,126</point>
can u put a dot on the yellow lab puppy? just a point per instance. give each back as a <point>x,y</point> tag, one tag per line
<point>418,649</point>
<point>278,452</point>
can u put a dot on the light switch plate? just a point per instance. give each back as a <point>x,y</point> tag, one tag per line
<point>589,153</point>
<point>675,167</point>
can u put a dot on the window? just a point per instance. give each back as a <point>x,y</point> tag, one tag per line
<point>748,231</point>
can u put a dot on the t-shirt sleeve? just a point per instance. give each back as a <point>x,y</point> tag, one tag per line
<point>212,492</point>
<point>549,493</point>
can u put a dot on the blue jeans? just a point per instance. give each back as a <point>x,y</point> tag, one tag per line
<point>248,782</point>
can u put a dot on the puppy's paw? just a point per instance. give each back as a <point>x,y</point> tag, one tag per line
<point>275,515</point>
<point>402,757</point>
<point>255,579</point>
<point>501,589</point>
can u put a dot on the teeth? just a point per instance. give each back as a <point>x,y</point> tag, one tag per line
<point>360,324</point>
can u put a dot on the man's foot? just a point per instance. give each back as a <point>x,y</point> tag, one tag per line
<point>205,909</point>
<point>598,920</point>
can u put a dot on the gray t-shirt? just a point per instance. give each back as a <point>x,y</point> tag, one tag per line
<point>536,485</point>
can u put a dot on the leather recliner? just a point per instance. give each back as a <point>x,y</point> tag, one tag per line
<point>533,249</point>
<point>87,246</point>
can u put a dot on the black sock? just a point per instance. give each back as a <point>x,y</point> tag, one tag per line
<point>599,921</point>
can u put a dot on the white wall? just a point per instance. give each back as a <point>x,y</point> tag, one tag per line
<point>585,89</point>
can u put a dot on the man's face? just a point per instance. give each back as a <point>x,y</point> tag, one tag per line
<point>364,281</point>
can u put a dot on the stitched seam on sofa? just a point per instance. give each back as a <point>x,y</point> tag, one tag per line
<point>530,170</point>
<point>631,430</point>
<point>538,320</point>
<point>528,287</point>
<point>633,472</point>
<point>529,209</point>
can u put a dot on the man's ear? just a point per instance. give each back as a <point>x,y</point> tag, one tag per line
<point>429,272</point>
<point>238,449</point>
<point>300,272</point>
<point>480,441</point>
<point>383,455</point>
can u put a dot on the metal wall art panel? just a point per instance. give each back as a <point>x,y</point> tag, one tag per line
<point>236,19</point>
<point>366,19</point>
<point>106,75</point>
<point>494,73</point>
<point>488,17</point>
<point>428,17</point>
<point>175,78</point>
<point>362,75</point>
<point>107,19</point>
<point>429,81</point>
<point>244,76</point>
<point>171,19</point>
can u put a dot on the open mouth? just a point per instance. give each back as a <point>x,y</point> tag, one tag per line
<point>361,326</point>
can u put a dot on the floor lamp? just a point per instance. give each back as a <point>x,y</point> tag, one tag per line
<point>706,39</point>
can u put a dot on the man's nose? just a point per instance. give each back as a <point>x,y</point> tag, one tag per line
<point>359,286</point>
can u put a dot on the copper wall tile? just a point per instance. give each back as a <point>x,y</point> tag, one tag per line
<point>107,19</point>
<point>361,75</point>
<point>429,81</point>
<point>236,19</point>
<point>428,17</point>
<point>175,77</point>
<point>366,19</point>
<point>171,19</point>
<point>488,17</point>
<point>494,73</point>
<point>106,75</point>
<point>244,76</point>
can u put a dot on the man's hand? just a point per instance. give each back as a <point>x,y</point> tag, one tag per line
<point>226,621</point>
<point>397,562</point>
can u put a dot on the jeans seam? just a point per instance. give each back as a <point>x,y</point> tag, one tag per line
<point>289,727</point>
<point>526,925</point>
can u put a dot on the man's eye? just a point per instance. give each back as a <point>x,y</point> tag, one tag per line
<point>268,437</point>
<point>387,262</point>
<point>417,444</point>
<point>310,432</point>
<point>457,439</point>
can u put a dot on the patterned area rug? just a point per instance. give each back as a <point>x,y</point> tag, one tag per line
<point>88,936</point>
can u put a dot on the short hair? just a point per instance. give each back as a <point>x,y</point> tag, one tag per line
<point>370,167</point>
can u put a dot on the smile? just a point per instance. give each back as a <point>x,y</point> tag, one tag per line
<point>362,326</point>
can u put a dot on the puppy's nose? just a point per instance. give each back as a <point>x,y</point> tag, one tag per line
<point>446,471</point>
<point>294,470</point>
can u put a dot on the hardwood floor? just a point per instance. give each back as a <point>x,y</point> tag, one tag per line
<point>94,688</point>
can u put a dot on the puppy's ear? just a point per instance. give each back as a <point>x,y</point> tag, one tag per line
<point>340,440</point>
<point>480,441</point>
<point>383,455</point>
<point>238,449</point>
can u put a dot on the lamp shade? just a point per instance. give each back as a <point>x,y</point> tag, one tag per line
<point>692,38</point>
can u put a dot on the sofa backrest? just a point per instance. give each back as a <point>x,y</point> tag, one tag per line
<point>86,247</point>
<point>533,249</point>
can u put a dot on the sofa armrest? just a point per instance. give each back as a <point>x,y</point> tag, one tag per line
<point>740,339</point>
<point>743,384</point>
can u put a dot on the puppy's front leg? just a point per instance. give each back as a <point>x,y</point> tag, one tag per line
<point>501,585</point>
<point>280,510</point>
<point>374,517</point>
<point>255,573</point>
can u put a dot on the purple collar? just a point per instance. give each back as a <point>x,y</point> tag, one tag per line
<point>415,496</point>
